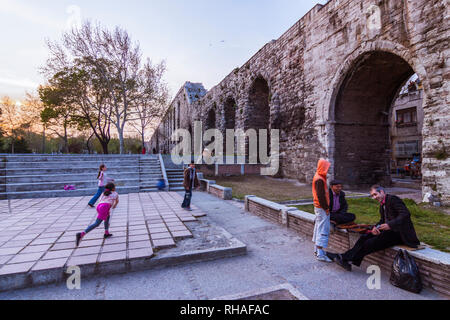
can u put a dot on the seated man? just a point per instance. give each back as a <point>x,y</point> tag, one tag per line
<point>338,205</point>
<point>394,228</point>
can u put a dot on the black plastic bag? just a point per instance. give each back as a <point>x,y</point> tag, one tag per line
<point>405,273</point>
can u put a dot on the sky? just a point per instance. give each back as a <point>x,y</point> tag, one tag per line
<point>200,40</point>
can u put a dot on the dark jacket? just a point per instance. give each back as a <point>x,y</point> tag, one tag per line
<point>187,183</point>
<point>399,220</point>
<point>342,202</point>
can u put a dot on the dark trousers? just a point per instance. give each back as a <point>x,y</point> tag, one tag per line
<point>187,199</point>
<point>342,218</point>
<point>96,224</point>
<point>369,243</point>
<point>94,199</point>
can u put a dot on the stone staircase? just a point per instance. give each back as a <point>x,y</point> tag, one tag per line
<point>174,174</point>
<point>44,176</point>
<point>149,173</point>
<point>175,177</point>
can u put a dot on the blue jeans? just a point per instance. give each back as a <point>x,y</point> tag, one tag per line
<point>321,228</point>
<point>187,199</point>
<point>97,195</point>
<point>96,224</point>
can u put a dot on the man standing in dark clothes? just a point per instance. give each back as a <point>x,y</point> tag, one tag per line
<point>394,228</point>
<point>338,204</point>
<point>190,182</point>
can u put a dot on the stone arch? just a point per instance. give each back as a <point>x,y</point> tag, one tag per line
<point>359,141</point>
<point>257,114</point>
<point>211,119</point>
<point>230,110</point>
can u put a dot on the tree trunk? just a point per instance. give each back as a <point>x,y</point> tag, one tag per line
<point>104,147</point>
<point>43,141</point>
<point>66,140</point>
<point>122,147</point>
<point>88,143</point>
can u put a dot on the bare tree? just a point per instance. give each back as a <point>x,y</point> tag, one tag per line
<point>151,100</point>
<point>116,59</point>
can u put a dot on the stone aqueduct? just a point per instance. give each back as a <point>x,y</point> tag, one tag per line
<point>328,84</point>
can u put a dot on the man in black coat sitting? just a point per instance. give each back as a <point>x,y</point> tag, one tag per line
<point>338,204</point>
<point>395,227</point>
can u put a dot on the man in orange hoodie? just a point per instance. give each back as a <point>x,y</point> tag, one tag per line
<point>322,210</point>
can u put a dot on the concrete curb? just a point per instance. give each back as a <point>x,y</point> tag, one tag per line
<point>58,275</point>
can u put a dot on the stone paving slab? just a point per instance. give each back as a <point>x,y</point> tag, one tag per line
<point>37,242</point>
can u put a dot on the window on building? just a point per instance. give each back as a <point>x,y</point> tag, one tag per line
<point>407,117</point>
<point>406,149</point>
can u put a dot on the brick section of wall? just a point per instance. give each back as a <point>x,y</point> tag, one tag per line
<point>265,212</point>
<point>434,275</point>
<point>216,192</point>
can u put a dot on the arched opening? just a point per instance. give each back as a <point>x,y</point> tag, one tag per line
<point>258,111</point>
<point>210,124</point>
<point>364,102</point>
<point>230,109</point>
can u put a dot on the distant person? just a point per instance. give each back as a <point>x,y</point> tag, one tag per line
<point>394,228</point>
<point>161,185</point>
<point>338,204</point>
<point>322,210</point>
<point>190,182</point>
<point>108,201</point>
<point>103,179</point>
<point>144,151</point>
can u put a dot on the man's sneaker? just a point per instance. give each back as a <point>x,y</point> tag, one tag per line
<point>343,263</point>
<point>91,205</point>
<point>324,258</point>
<point>106,236</point>
<point>78,238</point>
<point>188,209</point>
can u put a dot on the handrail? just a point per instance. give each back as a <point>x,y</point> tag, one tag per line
<point>163,169</point>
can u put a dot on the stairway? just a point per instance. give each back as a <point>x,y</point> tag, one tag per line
<point>44,176</point>
<point>175,177</point>
<point>149,173</point>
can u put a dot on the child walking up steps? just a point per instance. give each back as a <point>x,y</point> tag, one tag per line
<point>108,201</point>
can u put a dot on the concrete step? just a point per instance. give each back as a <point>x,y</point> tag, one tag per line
<point>23,187</point>
<point>63,193</point>
<point>72,164</point>
<point>41,158</point>
<point>67,177</point>
<point>68,170</point>
<point>176,189</point>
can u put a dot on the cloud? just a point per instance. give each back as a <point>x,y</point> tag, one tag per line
<point>27,13</point>
<point>22,83</point>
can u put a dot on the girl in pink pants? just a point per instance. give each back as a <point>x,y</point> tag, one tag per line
<point>108,201</point>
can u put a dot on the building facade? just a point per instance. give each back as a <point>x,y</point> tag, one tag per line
<point>329,83</point>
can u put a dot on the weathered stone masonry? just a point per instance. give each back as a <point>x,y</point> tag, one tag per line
<point>330,81</point>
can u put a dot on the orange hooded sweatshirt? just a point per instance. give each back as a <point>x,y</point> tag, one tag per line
<point>319,186</point>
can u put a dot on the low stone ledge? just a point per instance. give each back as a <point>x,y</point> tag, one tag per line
<point>221,192</point>
<point>434,265</point>
<point>205,183</point>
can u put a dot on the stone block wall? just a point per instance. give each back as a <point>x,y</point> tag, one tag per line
<point>332,56</point>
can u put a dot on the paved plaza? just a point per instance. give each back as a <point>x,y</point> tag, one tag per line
<point>275,256</point>
<point>39,234</point>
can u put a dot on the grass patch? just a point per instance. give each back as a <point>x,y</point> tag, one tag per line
<point>276,190</point>
<point>432,225</point>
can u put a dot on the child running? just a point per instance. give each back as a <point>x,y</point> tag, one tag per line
<point>108,201</point>
<point>103,179</point>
